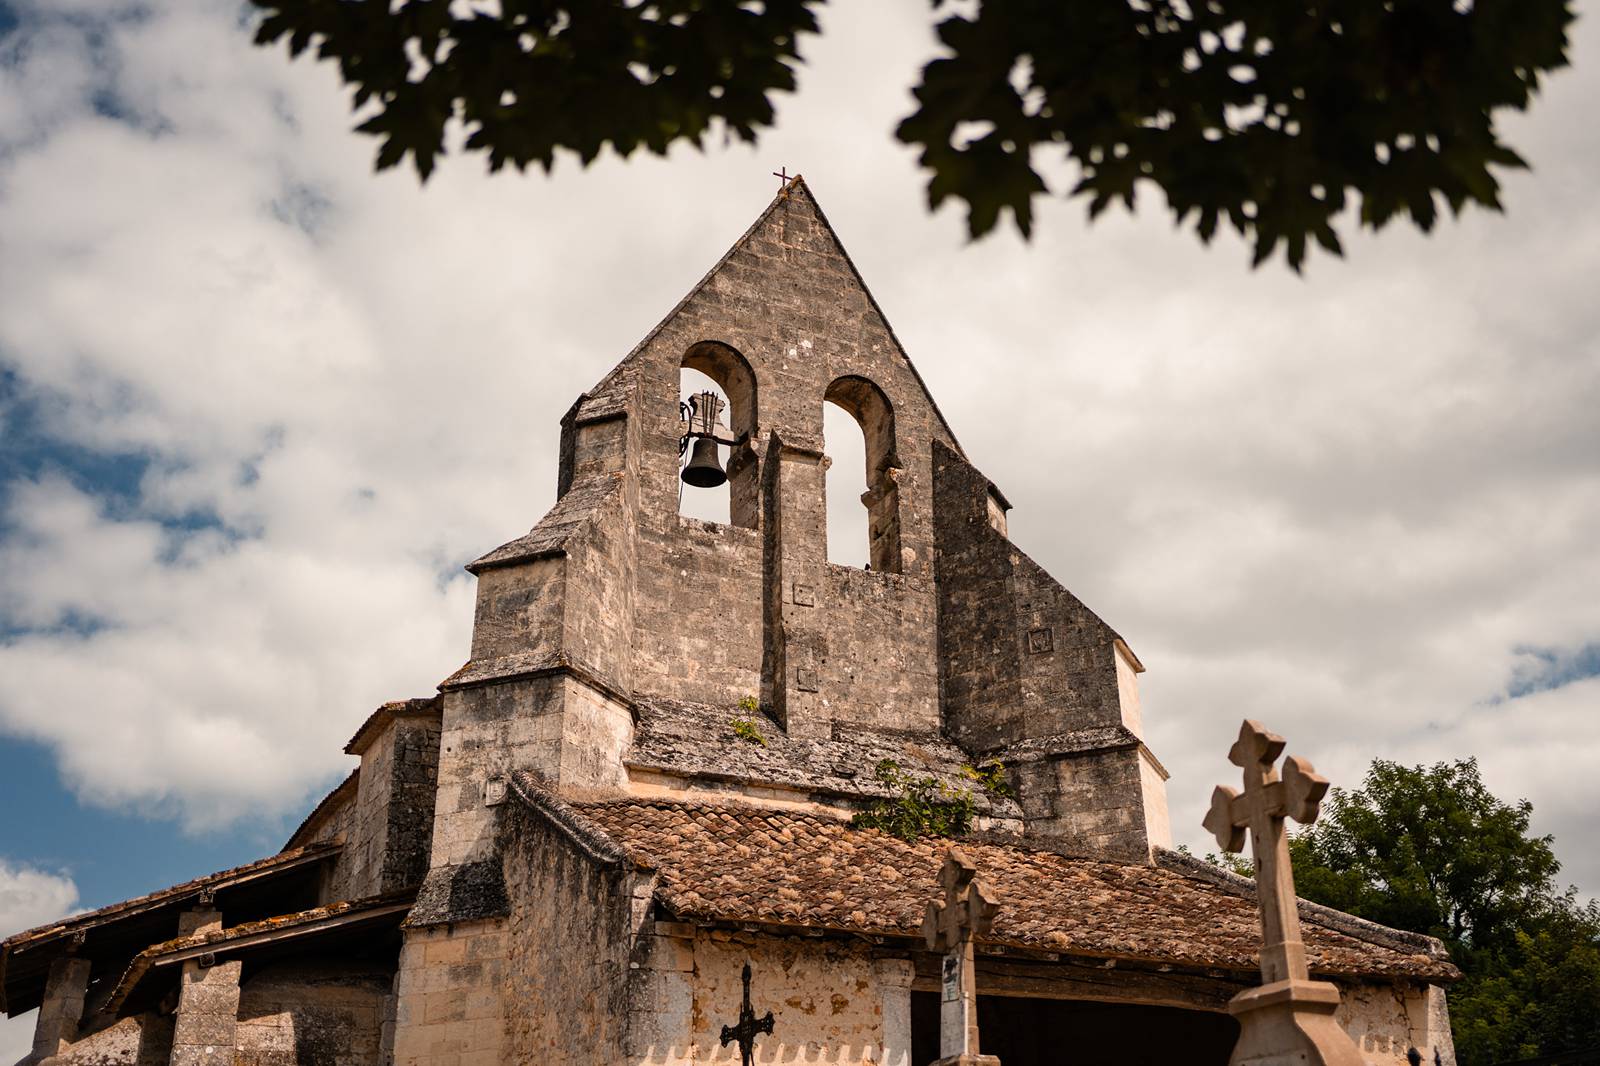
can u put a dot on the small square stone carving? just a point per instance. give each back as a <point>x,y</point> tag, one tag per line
<point>804,595</point>
<point>494,792</point>
<point>1041,641</point>
<point>805,679</point>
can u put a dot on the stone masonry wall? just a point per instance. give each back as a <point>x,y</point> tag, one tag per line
<point>390,827</point>
<point>1023,658</point>
<point>827,998</point>
<point>878,642</point>
<point>699,609</point>
<point>789,303</point>
<point>557,727</point>
<point>981,670</point>
<point>339,823</point>
<point>1387,1021</point>
<point>1068,657</point>
<point>1032,676</point>
<point>141,1040</point>
<point>449,1006</point>
<point>311,1014</point>
<point>519,609</point>
<point>1093,804</point>
<point>208,1013</point>
<point>569,939</point>
<point>598,617</point>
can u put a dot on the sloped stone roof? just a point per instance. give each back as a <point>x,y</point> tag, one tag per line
<point>694,740</point>
<point>569,514</point>
<point>743,863</point>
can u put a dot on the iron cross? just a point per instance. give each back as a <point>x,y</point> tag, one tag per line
<point>1266,802</point>
<point>782,174</point>
<point>749,1025</point>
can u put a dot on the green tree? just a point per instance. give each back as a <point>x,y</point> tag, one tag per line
<point>1270,116</point>
<point>1432,850</point>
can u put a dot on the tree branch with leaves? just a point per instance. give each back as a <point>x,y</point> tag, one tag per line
<point>1272,117</point>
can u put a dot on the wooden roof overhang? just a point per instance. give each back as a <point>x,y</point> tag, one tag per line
<point>111,935</point>
<point>344,929</point>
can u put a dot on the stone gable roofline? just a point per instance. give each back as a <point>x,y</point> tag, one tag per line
<point>520,665</point>
<point>419,707</point>
<point>1092,741</point>
<point>1133,660</point>
<point>578,830</point>
<point>345,790</point>
<point>549,537</point>
<point>605,399</point>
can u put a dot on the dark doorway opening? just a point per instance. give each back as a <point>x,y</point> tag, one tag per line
<point>1071,1032</point>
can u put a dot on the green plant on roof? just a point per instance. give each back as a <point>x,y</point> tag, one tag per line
<point>919,807</point>
<point>991,776</point>
<point>744,725</point>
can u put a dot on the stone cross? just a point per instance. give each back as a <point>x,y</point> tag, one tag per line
<point>749,1025</point>
<point>949,926</point>
<point>1289,1018</point>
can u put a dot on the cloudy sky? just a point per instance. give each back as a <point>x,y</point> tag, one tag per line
<point>257,406</point>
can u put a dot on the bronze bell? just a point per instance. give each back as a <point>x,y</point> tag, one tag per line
<point>704,470</point>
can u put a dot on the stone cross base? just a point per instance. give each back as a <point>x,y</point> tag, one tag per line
<point>969,1060</point>
<point>1290,1023</point>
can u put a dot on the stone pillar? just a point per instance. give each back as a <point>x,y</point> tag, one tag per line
<point>795,555</point>
<point>203,919</point>
<point>894,992</point>
<point>1428,1019</point>
<point>62,1009</point>
<point>208,1001</point>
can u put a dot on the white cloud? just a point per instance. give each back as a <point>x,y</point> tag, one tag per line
<point>1339,503</point>
<point>28,897</point>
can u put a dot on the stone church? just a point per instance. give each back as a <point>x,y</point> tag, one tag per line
<point>644,778</point>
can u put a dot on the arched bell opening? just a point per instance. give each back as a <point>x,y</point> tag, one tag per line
<point>876,488</point>
<point>718,481</point>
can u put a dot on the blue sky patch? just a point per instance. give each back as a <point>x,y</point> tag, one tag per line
<point>112,855</point>
<point>1541,669</point>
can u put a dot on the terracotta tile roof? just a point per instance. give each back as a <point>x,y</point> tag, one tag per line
<point>742,863</point>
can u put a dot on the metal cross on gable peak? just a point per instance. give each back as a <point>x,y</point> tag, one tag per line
<point>749,1025</point>
<point>783,176</point>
